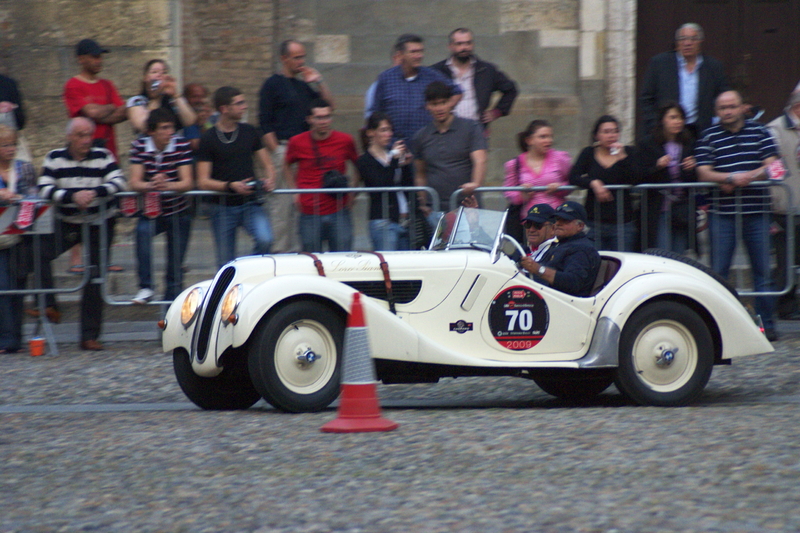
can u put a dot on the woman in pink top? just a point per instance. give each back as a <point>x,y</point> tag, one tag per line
<point>537,166</point>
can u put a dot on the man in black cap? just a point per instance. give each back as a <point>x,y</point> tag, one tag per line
<point>539,230</point>
<point>87,95</point>
<point>572,263</point>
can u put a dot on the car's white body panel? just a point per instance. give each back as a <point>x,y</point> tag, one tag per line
<point>460,285</point>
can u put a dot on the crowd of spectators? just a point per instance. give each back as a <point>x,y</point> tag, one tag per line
<point>426,126</point>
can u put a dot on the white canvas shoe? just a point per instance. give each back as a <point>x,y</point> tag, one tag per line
<point>143,296</point>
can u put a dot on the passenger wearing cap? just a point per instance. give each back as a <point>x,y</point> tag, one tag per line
<point>571,264</point>
<point>539,230</point>
<point>88,95</point>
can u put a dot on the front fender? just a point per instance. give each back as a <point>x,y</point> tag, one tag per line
<point>397,340</point>
<point>739,334</point>
<point>174,334</point>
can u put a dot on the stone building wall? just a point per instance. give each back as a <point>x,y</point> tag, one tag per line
<point>229,43</point>
<point>564,55</point>
<point>572,59</point>
<point>37,48</point>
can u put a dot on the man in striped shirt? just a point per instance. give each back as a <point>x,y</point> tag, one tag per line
<point>735,153</point>
<point>81,181</point>
<point>161,162</point>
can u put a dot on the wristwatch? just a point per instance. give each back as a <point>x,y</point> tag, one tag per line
<point>541,270</point>
<point>729,179</point>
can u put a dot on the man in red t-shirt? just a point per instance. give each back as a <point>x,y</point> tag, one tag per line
<point>309,155</point>
<point>92,97</point>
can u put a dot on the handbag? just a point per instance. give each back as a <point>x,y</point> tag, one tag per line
<point>513,219</point>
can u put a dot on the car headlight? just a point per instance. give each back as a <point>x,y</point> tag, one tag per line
<point>230,304</point>
<point>190,306</point>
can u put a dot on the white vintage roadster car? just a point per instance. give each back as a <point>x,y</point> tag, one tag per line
<point>272,326</point>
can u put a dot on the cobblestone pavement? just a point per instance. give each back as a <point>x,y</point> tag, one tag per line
<point>107,442</point>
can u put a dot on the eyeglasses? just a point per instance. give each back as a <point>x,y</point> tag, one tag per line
<point>684,38</point>
<point>536,225</point>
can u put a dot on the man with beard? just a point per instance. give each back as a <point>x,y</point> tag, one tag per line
<point>88,95</point>
<point>478,79</point>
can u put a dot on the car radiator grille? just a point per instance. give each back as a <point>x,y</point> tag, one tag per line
<point>404,290</point>
<point>203,331</point>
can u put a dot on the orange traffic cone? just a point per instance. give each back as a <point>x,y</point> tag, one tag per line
<point>359,410</point>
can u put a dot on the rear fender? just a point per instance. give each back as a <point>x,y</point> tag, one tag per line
<point>739,335</point>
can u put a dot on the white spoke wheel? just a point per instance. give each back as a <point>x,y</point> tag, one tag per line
<point>295,356</point>
<point>666,355</point>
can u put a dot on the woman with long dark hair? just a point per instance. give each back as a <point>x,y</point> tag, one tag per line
<point>665,156</point>
<point>385,165</point>
<point>608,162</point>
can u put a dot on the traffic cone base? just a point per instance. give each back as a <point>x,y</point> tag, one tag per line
<point>359,411</point>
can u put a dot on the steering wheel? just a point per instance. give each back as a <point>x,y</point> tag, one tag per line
<point>517,254</point>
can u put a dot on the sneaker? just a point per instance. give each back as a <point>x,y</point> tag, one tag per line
<point>143,296</point>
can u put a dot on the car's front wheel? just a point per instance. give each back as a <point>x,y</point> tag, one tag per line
<point>666,355</point>
<point>231,389</point>
<point>295,357</point>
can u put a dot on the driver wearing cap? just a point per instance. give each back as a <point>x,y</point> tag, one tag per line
<point>572,262</point>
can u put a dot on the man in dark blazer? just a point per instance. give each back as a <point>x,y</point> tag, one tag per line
<point>685,76</point>
<point>478,79</point>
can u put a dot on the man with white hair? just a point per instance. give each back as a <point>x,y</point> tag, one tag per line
<point>684,75</point>
<point>786,131</point>
<point>81,180</point>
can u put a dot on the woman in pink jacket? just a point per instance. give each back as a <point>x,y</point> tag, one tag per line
<point>537,166</point>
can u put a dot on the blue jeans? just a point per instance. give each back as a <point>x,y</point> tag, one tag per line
<point>755,234</point>
<point>225,219</point>
<point>177,227</point>
<point>10,306</point>
<point>388,235</point>
<point>608,237</point>
<point>334,228</point>
<point>670,237</point>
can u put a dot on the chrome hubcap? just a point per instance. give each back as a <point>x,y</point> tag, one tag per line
<point>306,356</point>
<point>666,357</point>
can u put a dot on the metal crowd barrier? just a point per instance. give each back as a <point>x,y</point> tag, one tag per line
<point>492,198</point>
<point>38,237</point>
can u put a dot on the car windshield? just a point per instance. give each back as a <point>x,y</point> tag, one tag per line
<point>468,227</point>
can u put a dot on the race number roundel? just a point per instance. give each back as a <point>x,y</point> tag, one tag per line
<point>518,318</point>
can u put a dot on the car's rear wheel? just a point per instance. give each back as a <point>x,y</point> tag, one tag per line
<point>574,385</point>
<point>231,389</point>
<point>666,355</point>
<point>295,357</point>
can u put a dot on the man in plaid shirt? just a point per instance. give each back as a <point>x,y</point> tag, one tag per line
<point>400,90</point>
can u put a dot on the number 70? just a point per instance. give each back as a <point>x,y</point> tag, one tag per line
<point>525,317</point>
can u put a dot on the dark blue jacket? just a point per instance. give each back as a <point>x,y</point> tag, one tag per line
<point>576,262</point>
